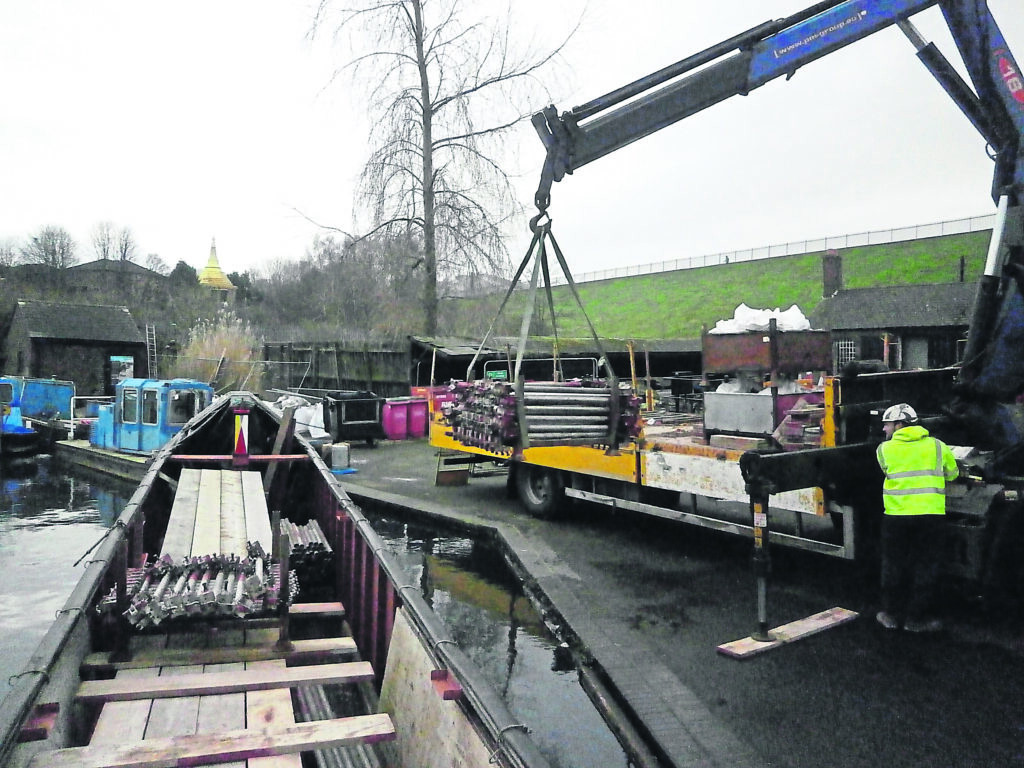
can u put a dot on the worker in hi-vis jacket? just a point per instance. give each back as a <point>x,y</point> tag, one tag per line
<point>917,467</point>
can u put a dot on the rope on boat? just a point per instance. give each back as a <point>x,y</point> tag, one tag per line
<point>117,524</point>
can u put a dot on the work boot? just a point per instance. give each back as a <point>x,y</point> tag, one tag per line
<point>887,620</point>
<point>923,625</point>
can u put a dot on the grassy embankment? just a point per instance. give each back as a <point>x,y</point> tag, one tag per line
<point>674,305</point>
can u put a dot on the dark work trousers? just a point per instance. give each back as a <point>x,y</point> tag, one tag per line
<point>912,547</point>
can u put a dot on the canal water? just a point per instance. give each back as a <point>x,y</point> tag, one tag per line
<point>481,601</point>
<point>51,515</point>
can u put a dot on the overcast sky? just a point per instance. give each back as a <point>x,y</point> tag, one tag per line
<point>198,120</point>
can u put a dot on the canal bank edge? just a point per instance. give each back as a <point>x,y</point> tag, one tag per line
<point>667,714</point>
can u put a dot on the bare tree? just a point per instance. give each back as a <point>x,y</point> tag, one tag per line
<point>126,245</point>
<point>103,240</point>
<point>8,252</point>
<point>443,91</point>
<point>157,264</point>
<point>52,246</point>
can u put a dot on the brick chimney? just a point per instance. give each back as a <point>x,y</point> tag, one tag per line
<point>831,273</point>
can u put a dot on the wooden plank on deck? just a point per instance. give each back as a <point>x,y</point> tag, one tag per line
<point>334,610</point>
<point>206,539</point>
<point>270,709</point>
<point>181,525</point>
<point>171,717</point>
<point>787,633</point>
<point>257,518</point>
<point>121,721</point>
<point>301,650</point>
<point>208,748</point>
<point>232,515</point>
<point>224,682</point>
<point>224,712</point>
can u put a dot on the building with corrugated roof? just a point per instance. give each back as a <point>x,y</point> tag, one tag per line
<point>213,278</point>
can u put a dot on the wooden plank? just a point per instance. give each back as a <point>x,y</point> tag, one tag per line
<point>257,518</point>
<point>181,525</point>
<point>318,609</point>
<point>787,633</point>
<point>171,717</point>
<point>206,540</point>
<point>124,720</point>
<point>302,650</point>
<point>270,709</point>
<point>177,685</point>
<point>232,515</point>
<point>225,712</point>
<point>285,430</point>
<point>203,749</point>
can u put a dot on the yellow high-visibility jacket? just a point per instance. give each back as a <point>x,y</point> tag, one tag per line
<point>917,467</point>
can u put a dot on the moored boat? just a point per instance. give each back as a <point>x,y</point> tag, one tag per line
<point>191,639</point>
<point>143,415</point>
<point>17,439</point>
<point>50,407</point>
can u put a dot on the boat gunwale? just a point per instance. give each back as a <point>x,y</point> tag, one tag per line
<point>483,702</point>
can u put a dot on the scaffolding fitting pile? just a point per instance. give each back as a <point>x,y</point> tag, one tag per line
<point>499,416</point>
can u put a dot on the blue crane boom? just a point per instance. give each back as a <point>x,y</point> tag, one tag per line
<point>993,101</point>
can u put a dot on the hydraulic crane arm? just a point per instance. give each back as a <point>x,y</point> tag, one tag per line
<point>749,60</point>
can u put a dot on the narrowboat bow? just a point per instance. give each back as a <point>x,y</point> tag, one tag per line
<point>196,636</point>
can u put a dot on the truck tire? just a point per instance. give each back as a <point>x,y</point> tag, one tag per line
<point>540,490</point>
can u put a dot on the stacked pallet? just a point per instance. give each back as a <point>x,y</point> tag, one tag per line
<point>494,416</point>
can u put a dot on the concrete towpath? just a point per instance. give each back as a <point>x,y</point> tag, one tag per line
<point>649,602</point>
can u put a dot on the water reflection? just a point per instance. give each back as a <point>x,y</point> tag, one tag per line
<point>483,606</point>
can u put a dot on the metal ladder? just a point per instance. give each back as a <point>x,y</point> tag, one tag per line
<point>151,350</point>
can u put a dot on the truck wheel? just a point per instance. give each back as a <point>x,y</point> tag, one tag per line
<point>540,490</point>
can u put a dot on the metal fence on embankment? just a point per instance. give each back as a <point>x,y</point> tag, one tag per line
<point>797,247</point>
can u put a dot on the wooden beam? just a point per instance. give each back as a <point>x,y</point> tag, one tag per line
<point>787,633</point>
<point>285,430</point>
<point>215,458</point>
<point>206,539</point>
<point>204,749</point>
<point>232,514</point>
<point>257,518</point>
<point>181,526</point>
<point>208,684</point>
<point>121,721</point>
<point>270,709</point>
<point>222,713</point>
<point>173,717</point>
<point>302,650</point>
<point>334,610</point>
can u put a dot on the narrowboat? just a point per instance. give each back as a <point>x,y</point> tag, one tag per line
<point>143,416</point>
<point>195,636</point>
<point>52,408</point>
<point>18,441</point>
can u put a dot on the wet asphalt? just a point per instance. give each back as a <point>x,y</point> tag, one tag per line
<point>645,604</point>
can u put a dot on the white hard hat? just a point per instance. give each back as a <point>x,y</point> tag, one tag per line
<point>900,412</point>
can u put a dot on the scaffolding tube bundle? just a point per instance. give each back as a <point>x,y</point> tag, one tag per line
<point>498,416</point>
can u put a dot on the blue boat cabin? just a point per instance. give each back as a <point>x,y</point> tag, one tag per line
<point>146,413</point>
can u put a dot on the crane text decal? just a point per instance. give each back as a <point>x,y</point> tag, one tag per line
<point>1011,76</point>
<point>820,34</point>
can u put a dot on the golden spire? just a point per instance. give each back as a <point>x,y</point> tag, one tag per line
<point>212,275</point>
